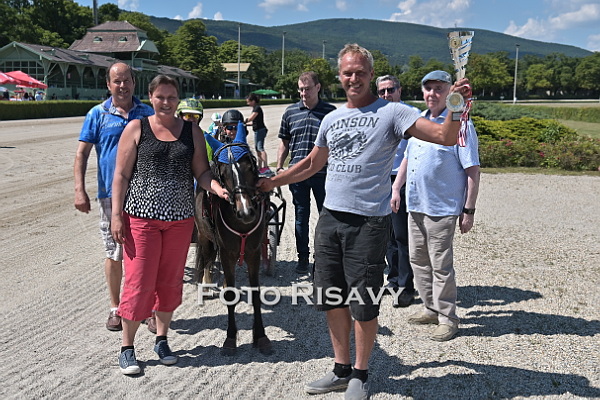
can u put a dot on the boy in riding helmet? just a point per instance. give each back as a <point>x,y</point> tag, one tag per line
<point>229,122</point>
<point>192,110</point>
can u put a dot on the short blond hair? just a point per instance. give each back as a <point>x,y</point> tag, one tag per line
<point>356,49</point>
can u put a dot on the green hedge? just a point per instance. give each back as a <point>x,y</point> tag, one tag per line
<point>15,110</point>
<point>529,142</point>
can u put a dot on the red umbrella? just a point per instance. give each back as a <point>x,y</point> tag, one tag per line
<point>4,79</point>
<point>26,80</point>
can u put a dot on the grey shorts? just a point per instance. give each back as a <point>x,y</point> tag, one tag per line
<point>349,262</point>
<point>113,250</point>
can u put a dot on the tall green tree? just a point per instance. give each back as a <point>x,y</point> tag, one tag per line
<point>538,78</point>
<point>228,51</point>
<point>192,50</point>
<point>295,62</point>
<point>488,75</point>
<point>587,72</point>
<point>64,18</point>
<point>258,71</point>
<point>108,12</point>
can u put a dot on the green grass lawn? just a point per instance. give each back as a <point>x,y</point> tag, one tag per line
<point>590,129</point>
<point>541,171</point>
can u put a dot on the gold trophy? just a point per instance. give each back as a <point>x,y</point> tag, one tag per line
<point>460,45</point>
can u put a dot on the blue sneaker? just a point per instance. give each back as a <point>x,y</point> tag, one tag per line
<point>128,363</point>
<point>164,353</point>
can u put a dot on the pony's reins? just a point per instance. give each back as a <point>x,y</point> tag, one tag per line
<point>243,236</point>
<point>238,189</point>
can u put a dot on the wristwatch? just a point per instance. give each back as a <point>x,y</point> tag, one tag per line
<point>468,210</point>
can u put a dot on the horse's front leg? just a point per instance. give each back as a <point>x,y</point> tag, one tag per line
<point>228,264</point>
<point>259,337</point>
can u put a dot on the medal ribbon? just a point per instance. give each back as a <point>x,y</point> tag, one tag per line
<point>461,139</point>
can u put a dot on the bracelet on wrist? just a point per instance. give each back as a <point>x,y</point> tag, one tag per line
<point>470,211</point>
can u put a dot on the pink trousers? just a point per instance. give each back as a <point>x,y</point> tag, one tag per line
<point>154,259</point>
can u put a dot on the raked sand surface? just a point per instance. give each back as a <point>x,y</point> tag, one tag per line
<point>529,295</point>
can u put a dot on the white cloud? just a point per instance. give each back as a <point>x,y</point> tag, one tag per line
<point>587,13</point>
<point>271,6</point>
<point>593,42</point>
<point>196,11</point>
<point>131,5</point>
<point>218,16</point>
<point>341,5</point>
<point>178,17</point>
<point>533,29</point>
<point>569,15</point>
<point>429,12</point>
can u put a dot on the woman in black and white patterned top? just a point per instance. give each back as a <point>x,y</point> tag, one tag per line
<point>153,214</point>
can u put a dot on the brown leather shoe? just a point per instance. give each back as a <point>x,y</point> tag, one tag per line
<point>114,321</point>
<point>151,322</point>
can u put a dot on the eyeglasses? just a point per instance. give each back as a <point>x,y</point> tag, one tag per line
<point>231,127</point>
<point>191,116</point>
<point>391,90</point>
<point>305,89</point>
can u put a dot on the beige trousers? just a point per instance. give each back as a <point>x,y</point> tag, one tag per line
<point>431,258</point>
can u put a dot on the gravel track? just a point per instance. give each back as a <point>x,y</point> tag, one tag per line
<point>528,276</point>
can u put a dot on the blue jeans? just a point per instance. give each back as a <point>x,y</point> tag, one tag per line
<point>400,271</point>
<point>301,199</point>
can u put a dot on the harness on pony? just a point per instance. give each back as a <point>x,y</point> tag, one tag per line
<point>235,151</point>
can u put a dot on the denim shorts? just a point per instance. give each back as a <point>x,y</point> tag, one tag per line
<point>259,139</point>
<point>349,262</point>
<point>113,250</point>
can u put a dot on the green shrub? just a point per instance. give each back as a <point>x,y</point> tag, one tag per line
<point>529,142</point>
<point>12,110</point>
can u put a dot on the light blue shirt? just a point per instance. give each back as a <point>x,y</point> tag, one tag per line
<point>401,149</point>
<point>436,181</point>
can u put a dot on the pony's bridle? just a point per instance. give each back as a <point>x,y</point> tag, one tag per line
<point>237,189</point>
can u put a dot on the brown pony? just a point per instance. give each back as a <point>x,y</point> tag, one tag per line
<point>235,230</point>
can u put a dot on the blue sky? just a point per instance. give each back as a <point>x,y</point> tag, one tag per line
<point>572,22</point>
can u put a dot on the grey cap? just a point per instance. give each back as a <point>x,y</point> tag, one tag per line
<point>441,76</point>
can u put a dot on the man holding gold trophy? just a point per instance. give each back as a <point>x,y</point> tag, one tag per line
<point>442,183</point>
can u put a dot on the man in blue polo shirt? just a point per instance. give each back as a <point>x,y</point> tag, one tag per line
<point>299,127</point>
<point>102,130</point>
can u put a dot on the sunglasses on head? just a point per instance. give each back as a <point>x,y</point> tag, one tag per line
<point>231,127</point>
<point>391,90</point>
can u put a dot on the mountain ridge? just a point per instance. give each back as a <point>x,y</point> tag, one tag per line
<point>431,42</point>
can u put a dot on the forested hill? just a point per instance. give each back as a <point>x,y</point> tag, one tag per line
<point>397,40</point>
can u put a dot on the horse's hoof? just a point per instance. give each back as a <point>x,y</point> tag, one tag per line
<point>229,347</point>
<point>264,345</point>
